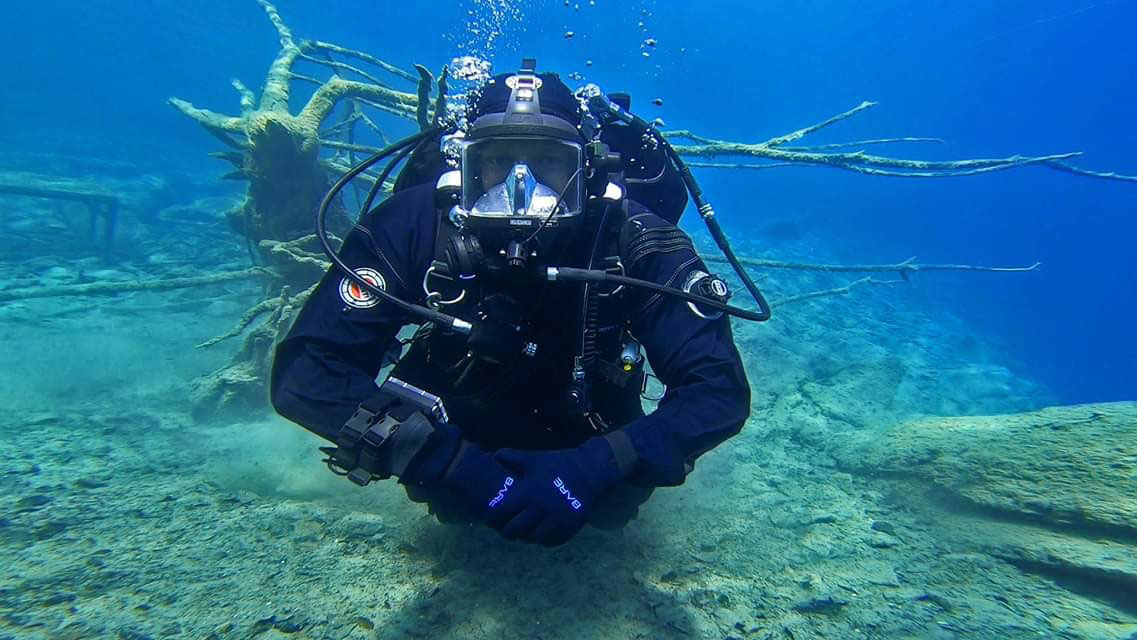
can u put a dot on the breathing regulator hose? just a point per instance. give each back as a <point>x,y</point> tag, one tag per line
<point>572,274</point>
<point>426,314</point>
<point>601,106</point>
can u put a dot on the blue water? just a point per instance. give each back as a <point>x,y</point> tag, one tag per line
<point>991,79</point>
<point>128,511</point>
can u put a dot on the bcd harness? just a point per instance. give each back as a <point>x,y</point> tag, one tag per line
<point>605,349</point>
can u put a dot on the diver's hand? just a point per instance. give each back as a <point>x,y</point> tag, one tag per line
<point>466,469</point>
<point>555,492</point>
<point>483,482</point>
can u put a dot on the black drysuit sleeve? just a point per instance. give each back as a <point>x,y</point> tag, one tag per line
<point>328,362</point>
<point>708,396</point>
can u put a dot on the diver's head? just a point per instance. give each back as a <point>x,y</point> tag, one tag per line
<point>523,153</point>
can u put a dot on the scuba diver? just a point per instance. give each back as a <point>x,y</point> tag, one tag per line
<point>538,255</point>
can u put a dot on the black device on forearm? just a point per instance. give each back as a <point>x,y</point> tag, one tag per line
<point>362,451</point>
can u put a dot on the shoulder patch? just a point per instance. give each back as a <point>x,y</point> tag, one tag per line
<point>356,296</point>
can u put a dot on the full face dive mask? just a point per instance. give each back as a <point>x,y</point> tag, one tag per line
<point>521,177</point>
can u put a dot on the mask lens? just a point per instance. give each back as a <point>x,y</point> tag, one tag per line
<point>492,165</point>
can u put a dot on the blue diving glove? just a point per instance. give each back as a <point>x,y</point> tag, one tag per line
<point>551,501</point>
<point>467,470</point>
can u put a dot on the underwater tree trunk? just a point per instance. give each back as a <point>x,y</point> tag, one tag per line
<point>286,183</point>
<point>279,156</point>
<point>278,153</point>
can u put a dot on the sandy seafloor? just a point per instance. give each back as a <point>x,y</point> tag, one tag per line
<point>123,517</point>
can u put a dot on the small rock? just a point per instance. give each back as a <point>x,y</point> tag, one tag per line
<point>883,577</point>
<point>884,527</point>
<point>824,604</point>
<point>358,526</point>
<point>364,623</point>
<point>50,529</point>
<point>289,625</point>
<point>32,503</point>
<point>58,598</point>
<point>709,598</point>
<point>308,530</point>
<point>881,540</point>
<point>812,581</point>
<point>262,625</point>
<point>825,518</point>
<point>675,575</point>
<point>709,557</point>
<point>657,102</point>
<point>936,599</point>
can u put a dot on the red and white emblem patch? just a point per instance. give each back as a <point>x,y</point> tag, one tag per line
<point>356,296</point>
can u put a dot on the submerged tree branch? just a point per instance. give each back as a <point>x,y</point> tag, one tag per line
<point>861,162</point>
<point>119,286</point>
<point>365,57</point>
<point>863,143</point>
<point>801,133</point>
<point>836,291</point>
<point>903,268</point>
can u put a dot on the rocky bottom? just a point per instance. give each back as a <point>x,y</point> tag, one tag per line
<point>837,513</point>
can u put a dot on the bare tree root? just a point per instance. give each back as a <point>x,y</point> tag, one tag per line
<point>242,384</point>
